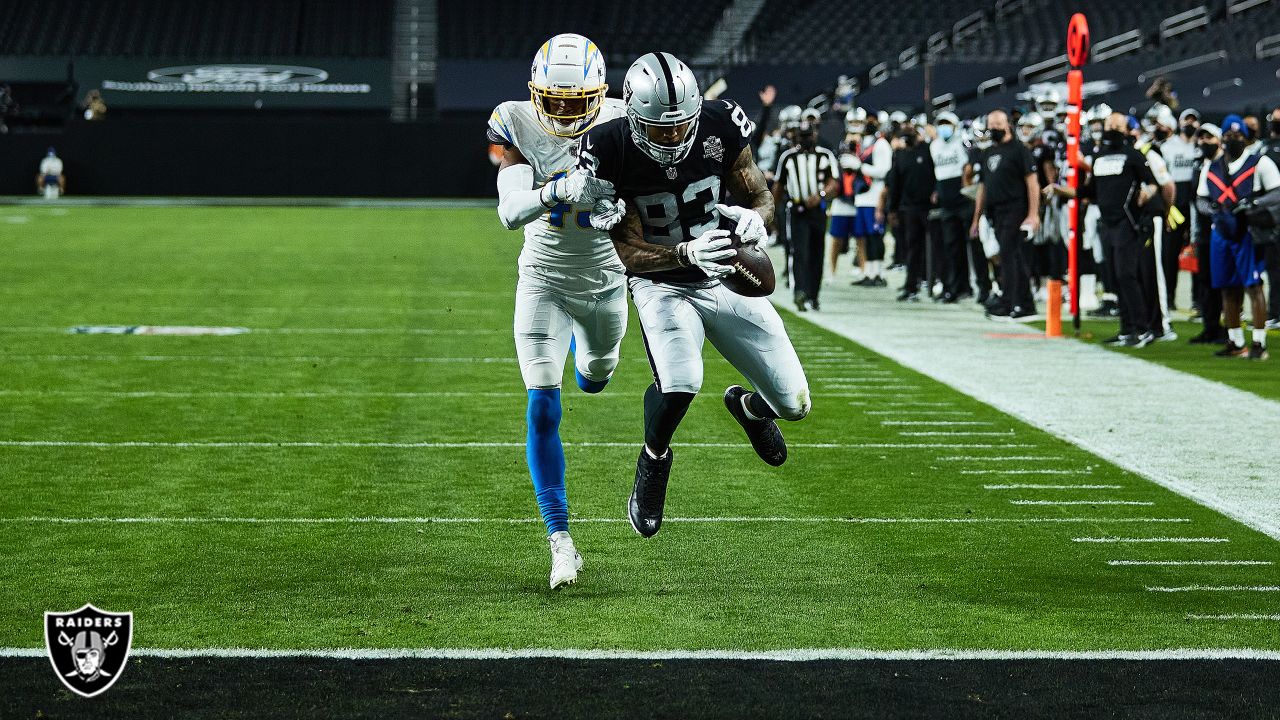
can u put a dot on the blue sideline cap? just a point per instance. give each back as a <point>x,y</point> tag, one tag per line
<point>1234,122</point>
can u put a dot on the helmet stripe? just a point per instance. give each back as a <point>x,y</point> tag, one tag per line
<point>666,75</point>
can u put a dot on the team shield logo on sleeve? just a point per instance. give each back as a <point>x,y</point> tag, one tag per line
<point>88,647</point>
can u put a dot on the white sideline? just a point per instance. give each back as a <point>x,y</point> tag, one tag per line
<point>1245,616</point>
<point>1081,393</point>
<point>1162,563</point>
<point>524,521</point>
<point>309,395</point>
<point>464,445</point>
<point>1216,588</point>
<point>1151,540</point>
<point>791,655</point>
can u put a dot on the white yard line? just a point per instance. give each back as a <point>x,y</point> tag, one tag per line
<point>1151,540</point>
<point>1214,588</point>
<point>1174,563</point>
<point>1089,396</point>
<point>1028,471</point>
<point>938,423</point>
<point>788,655</point>
<point>379,520</point>
<point>1242,616</point>
<point>955,433</point>
<point>1001,458</point>
<point>262,358</point>
<point>1034,486</point>
<point>456,445</point>
<point>322,395</point>
<point>1082,502</point>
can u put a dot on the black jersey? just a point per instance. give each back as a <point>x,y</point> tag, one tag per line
<point>676,203</point>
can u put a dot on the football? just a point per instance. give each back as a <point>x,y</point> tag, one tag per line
<point>753,276</point>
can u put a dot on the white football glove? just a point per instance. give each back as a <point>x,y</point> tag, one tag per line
<point>750,227</point>
<point>849,161</point>
<point>706,251</point>
<point>607,213</point>
<point>580,187</point>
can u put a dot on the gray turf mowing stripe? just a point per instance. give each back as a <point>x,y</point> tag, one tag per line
<point>526,521</point>
<point>1041,384</point>
<point>789,655</point>
<point>1001,458</point>
<point>460,445</point>
<point>1019,471</point>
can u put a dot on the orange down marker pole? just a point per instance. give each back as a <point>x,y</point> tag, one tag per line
<point>1077,56</point>
<point>1053,317</point>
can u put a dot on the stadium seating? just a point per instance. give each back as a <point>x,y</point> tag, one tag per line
<point>222,29</point>
<point>832,30</point>
<point>632,29</point>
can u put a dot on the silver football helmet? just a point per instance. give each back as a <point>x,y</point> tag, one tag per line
<point>855,121</point>
<point>663,105</point>
<point>789,117</point>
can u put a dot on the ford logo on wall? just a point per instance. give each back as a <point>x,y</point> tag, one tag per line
<point>234,74</point>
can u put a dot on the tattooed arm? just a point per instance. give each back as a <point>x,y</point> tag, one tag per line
<point>638,255</point>
<point>747,186</point>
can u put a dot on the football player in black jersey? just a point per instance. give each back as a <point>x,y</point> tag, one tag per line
<point>680,166</point>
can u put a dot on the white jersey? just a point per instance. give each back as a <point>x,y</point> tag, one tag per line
<point>875,168</point>
<point>1180,155</point>
<point>51,165</point>
<point>563,238</point>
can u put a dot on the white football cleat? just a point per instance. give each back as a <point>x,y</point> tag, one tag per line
<point>565,560</point>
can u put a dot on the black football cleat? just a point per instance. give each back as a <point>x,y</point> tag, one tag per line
<point>764,435</point>
<point>649,495</point>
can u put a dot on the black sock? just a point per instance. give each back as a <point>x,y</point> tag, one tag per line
<point>760,408</point>
<point>662,415</point>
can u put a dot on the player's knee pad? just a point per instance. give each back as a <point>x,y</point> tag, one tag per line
<point>544,411</point>
<point>596,373</point>
<point>796,407</point>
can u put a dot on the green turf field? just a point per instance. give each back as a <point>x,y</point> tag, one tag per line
<point>1262,378</point>
<point>392,327</point>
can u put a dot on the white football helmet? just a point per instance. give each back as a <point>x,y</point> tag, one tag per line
<point>981,138</point>
<point>1030,125</point>
<point>567,84</point>
<point>789,117</point>
<point>855,121</point>
<point>663,105</point>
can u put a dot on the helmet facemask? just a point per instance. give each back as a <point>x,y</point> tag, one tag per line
<point>566,113</point>
<point>666,141</point>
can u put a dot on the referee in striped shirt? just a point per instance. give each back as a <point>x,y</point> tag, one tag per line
<point>806,175</point>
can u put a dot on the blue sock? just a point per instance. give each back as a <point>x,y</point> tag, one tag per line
<point>545,454</point>
<point>586,384</point>
<point>589,386</point>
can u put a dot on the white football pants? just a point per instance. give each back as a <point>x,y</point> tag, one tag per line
<point>675,319</point>
<point>552,306</point>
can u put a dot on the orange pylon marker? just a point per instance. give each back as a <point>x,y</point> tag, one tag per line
<point>1053,320</point>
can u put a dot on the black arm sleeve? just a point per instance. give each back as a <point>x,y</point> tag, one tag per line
<point>762,124</point>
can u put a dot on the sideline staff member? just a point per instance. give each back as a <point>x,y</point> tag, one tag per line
<point>1009,193</point>
<point>806,178</point>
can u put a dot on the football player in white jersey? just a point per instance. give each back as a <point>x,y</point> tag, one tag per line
<point>571,293</point>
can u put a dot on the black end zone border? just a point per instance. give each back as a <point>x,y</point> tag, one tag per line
<point>560,688</point>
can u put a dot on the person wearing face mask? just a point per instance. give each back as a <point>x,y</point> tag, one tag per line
<point>1155,284</point>
<point>1009,194</point>
<point>1238,264</point>
<point>1271,148</point>
<point>950,157</point>
<point>807,176</point>
<point>1208,149</point>
<point>1182,157</point>
<point>874,158</point>
<point>983,265</point>
<point>1120,184</point>
<point>910,185</point>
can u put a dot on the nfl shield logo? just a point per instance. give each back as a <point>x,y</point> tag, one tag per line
<point>88,647</point>
<point>671,172</point>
